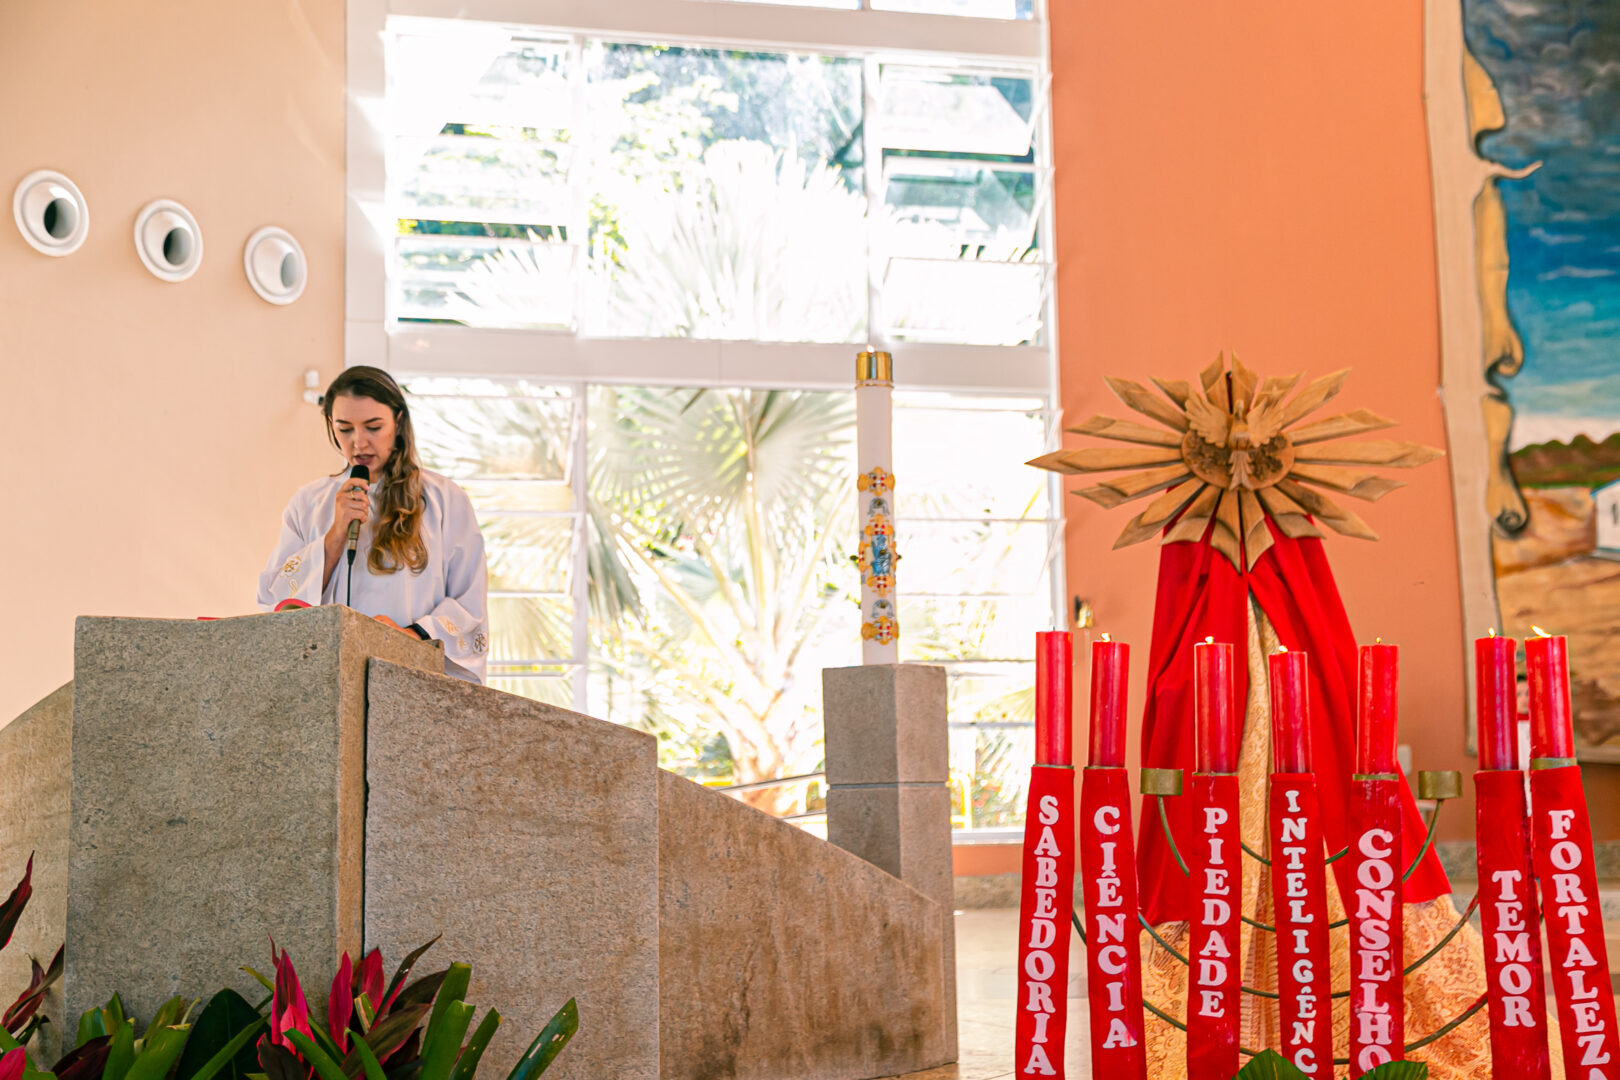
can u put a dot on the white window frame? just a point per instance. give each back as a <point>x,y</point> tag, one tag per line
<point>562,357</point>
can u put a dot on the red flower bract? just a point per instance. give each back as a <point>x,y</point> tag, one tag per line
<point>11,1066</point>
<point>340,1004</point>
<point>371,979</point>
<point>288,1009</point>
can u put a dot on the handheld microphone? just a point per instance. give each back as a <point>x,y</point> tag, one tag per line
<point>359,472</point>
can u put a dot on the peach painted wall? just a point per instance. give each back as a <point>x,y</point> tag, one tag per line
<point>152,431</point>
<point>1255,178</point>
<point>975,860</point>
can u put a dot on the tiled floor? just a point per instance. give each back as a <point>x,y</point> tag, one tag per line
<point>986,988</point>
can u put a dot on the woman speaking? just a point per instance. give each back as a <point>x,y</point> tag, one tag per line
<point>418,564</point>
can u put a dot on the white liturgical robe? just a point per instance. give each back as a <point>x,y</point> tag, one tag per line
<point>449,599</point>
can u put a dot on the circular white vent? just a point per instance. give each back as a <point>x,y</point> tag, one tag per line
<point>275,265</point>
<point>168,240</point>
<point>51,213</point>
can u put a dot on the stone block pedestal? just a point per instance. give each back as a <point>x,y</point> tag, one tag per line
<point>888,794</point>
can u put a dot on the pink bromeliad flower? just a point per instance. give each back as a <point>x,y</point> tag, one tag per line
<point>12,1064</point>
<point>340,1004</point>
<point>371,979</point>
<point>288,1009</point>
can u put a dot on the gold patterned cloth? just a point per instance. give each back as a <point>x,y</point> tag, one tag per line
<point>1436,993</point>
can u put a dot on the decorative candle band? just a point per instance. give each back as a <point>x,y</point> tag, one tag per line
<point>1510,924</point>
<point>1043,922</point>
<point>1377,1004</point>
<point>1215,863</point>
<point>876,555</point>
<point>1539,763</point>
<point>1299,899</point>
<point>1151,781</point>
<point>873,368</point>
<point>1439,784</point>
<point>1113,929</point>
<point>1561,842</point>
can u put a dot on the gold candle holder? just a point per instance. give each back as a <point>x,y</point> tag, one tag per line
<point>874,368</point>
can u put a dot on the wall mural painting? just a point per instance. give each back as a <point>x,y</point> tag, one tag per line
<point>1533,387</point>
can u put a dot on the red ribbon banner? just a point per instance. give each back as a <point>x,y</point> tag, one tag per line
<point>1043,922</point>
<point>1299,900</point>
<point>1377,1006</point>
<point>1113,934</point>
<point>1561,836</point>
<point>1215,862</point>
<point>1510,924</point>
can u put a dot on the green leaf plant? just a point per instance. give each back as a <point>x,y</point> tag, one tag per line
<point>406,1029</point>
<point>21,1020</point>
<point>409,1030</point>
<point>1270,1065</point>
<point>1397,1070</point>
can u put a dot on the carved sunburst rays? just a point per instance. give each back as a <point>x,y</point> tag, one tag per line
<point>1231,454</point>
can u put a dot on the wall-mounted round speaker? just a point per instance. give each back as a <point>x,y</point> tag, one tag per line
<point>168,240</point>
<point>275,265</point>
<point>51,212</point>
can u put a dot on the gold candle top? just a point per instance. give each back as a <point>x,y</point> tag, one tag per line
<point>873,368</point>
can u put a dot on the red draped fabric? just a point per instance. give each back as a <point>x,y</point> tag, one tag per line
<point>1201,594</point>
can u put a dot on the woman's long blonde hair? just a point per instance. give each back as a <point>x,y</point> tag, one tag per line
<point>397,539</point>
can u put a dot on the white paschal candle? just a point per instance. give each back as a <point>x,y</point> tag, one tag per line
<point>874,455</point>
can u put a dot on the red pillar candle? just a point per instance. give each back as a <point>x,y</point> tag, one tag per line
<point>1110,672</point>
<point>1290,738</point>
<point>1054,698</point>
<point>1214,707</point>
<point>1496,707</point>
<point>1552,733</point>
<point>1377,709</point>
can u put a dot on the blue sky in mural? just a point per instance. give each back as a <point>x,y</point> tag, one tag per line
<point>1556,64</point>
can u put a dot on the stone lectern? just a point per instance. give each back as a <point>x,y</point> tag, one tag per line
<point>220,793</point>
<point>313,776</point>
